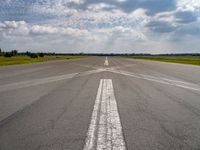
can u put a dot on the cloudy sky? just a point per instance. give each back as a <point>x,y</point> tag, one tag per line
<point>141,26</point>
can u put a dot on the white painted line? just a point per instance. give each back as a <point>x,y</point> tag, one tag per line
<point>34,82</point>
<point>90,140</point>
<point>106,63</point>
<point>194,87</point>
<point>89,72</point>
<point>88,66</point>
<point>177,81</point>
<point>105,130</point>
<point>172,81</point>
<point>110,130</point>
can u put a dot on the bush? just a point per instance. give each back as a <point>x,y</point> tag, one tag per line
<point>41,54</point>
<point>7,54</point>
<point>27,53</point>
<point>33,55</point>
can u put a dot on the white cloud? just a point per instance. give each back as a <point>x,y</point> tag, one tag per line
<point>97,24</point>
<point>13,28</point>
<point>121,0</point>
<point>80,38</point>
<point>55,8</point>
<point>43,29</point>
<point>76,1</point>
<point>19,28</point>
<point>192,5</point>
<point>121,32</point>
<point>74,32</point>
<point>165,16</point>
<point>100,7</point>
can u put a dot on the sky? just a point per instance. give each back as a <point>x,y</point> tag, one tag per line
<point>100,26</point>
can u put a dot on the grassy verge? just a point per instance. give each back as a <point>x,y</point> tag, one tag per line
<point>4,61</point>
<point>194,60</point>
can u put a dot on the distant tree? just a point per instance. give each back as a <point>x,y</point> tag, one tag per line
<point>41,54</point>
<point>14,52</point>
<point>53,54</point>
<point>1,52</point>
<point>81,53</point>
<point>27,53</point>
<point>33,55</point>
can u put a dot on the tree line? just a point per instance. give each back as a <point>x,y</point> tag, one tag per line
<point>42,54</point>
<point>13,53</point>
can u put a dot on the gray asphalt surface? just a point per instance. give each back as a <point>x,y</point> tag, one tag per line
<point>48,106</point>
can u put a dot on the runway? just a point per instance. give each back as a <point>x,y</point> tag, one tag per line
<point>100,103</point>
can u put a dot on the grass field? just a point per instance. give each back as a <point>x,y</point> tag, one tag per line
<point>194,60</point>
<point>26,59</point>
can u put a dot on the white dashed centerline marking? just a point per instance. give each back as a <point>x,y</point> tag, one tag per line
<point>106,62</point>
<point>105,130</point>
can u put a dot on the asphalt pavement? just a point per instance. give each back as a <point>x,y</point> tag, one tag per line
<point>97,103</point>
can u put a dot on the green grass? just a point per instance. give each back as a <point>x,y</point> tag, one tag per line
<point>26,60</point>
<point>194,60</point>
